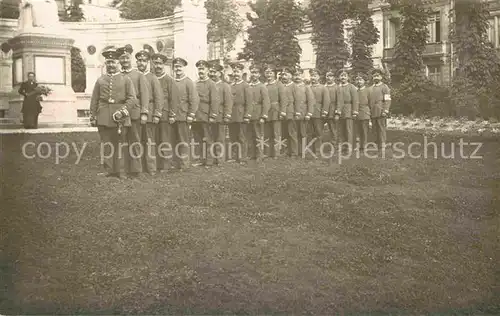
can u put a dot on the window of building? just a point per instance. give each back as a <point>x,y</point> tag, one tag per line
<point>434,73</point>
<point>214,50</point>
<point>392,26</point>
<point>491,30</point>
<point>434,28</point>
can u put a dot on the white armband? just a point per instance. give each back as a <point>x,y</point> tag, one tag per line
<point>387,97</point>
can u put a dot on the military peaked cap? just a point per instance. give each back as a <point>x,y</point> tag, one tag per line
<point>110,53</point>
<point>377,71</point>
<point>237,66</point>
<point>125,50</point>
<point>314,71</point>
<point>143,53</point>
<point>179,60</point>
<point>202,63</point>
<point>341,71</point>
<point>159,58</point>
<point>216,66</point>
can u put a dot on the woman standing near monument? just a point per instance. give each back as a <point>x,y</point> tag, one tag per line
<point>31,105</point>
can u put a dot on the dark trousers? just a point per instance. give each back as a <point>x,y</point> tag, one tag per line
<point>292,138</point>
<point>30,119</point>
<point>362,127</point>
<point>256,139</point>
<point>149,132</point>
<point>114,146</point>
<point>238,146</point>
<point>219,147</point>
<point>182,143</point>
<point>346,134</point>
<point>379,125</point>
<point>135,150</point>
<point>202,134</point>
<point>301,126</point>
<point>333,127</point>
<point>274,135</point>
<point>316,133</point>
<point>165,144</point>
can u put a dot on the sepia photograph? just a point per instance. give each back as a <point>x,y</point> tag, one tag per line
<point>250,157</point>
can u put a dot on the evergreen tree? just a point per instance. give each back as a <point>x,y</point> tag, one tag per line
<point>272,38</point>
<point>73,13</point>
<point>365,35</point>
<point>327,17</point>
<point>146,9</point>
<point>477,76</point>
<point>225,23</point>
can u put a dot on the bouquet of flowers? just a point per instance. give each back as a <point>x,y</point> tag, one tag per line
<point>42,90</point>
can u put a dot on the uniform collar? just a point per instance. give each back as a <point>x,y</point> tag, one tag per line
<point>361,88</point>
<point>145,73</point>
<point>235,83</point>
<point>272,82</point>
<point>254,83</point>
<point>181,78</point>
<point>217,82</point>
<point>377,84</point>
<point>111,75</point>
<point>315,85</point>
<point>199,80</point>
<point>162,75</point>
<point>288,84</point>
<point>344,84</point>
<point>330,84</point>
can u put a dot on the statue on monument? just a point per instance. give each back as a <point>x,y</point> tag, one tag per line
<point>38,14</point>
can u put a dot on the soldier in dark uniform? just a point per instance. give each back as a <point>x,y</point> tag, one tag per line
<point>154,112</point>
<point>166,133</point>
<point>112,98</point>
<point>277,111</point>
<point>188,106</point>
<point>207,112</point>
<point>260,113</point>
<point>290,127</point>
<point>138,113</point>
<point>380,104</point>
<point>242,112</point>
<point>347,109</point>
<point>320,110</point>
<point>224,111</point>
<point>31,104</point>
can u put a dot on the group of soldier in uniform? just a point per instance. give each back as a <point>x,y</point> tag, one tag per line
<point>148,117</point>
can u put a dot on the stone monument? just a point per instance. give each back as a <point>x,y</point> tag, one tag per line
<point>42,45</point>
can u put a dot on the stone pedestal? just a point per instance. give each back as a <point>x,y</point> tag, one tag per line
<point>190,34</point>
<point>49,56</point>
<point>6,82</point>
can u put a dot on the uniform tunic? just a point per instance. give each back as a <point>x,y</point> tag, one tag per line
<point>156,98</point>
<point>141,93</point>
<point>380,99</point>
<point>225,101</point>
<point>277,98</point>
<point>111,93</point>
<point>322,98</point>
<point>188,98</point>
<point>170,97</point>
<point>208,96</point>
<point>242,101</point>
<point>364,106</point>
<point>304,100</point>
<point>332,89</point>
<point>347,100</point>
<point>261,103</point>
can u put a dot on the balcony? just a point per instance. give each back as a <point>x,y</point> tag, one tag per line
<point>431,49</point>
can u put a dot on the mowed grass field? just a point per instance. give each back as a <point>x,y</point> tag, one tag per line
<point>286,237</point>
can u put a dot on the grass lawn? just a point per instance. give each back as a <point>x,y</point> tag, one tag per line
<point>289,237</point>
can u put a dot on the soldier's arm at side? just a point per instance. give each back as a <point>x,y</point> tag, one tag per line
<point>295,100</point>
<point>214,100</point>
<point>387,98</point>
<point>130,95</point>
<point>311,100</point>
<point>228,101</point>
<point>355,100</point>
<point>283,98</point>
<point>326,101</point>
<point>193,98</point>
<point>94,100</point>
<point>158,97</point>
<point>339,105</point>
<point>144,94</point>
<point>266,102</point>
<point>248,104</point>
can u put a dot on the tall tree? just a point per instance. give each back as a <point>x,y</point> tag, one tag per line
<point>411,41</point>
<point>475,84</point>
<point>272,38</point>
<point>328,37</point>
<point>365,35</point>
<point>73,13</point>
<point>225,23</point>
